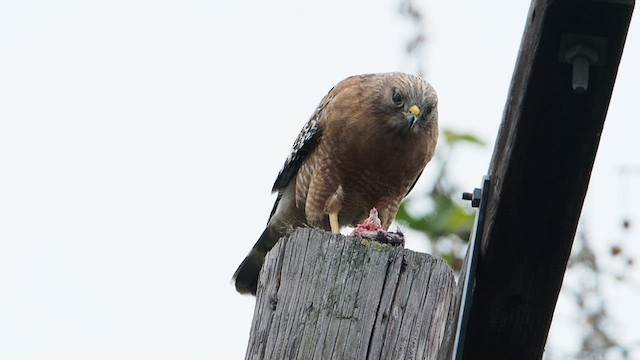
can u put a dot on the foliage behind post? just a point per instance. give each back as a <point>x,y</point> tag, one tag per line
<point>447,221</point>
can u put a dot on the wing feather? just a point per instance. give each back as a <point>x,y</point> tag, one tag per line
<point>306,142</point>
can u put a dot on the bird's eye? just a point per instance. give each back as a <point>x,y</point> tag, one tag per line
<point>429,109</point>
<point>397,97</point>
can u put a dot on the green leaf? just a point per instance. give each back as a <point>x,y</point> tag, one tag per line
<point>453,137</point>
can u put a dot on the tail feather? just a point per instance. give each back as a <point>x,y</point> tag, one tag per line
<point>246,276</point>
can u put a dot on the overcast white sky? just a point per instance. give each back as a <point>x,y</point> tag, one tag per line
<point>139,141</point>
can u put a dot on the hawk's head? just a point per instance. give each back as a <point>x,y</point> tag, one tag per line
<point>407,103</point>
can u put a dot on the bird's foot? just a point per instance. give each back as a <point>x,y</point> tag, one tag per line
<point>371,228</point>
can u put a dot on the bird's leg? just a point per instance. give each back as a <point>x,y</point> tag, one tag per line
<point>332,207</point>
<point>333,221</point>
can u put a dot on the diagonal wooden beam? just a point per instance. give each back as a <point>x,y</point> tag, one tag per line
<point>539,175</point>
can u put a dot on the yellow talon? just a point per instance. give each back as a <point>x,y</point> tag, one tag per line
<point>333,221</point>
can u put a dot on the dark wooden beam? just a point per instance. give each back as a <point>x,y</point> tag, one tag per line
<point>539,175</point>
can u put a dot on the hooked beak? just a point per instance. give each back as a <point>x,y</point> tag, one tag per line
<point>412,115</point>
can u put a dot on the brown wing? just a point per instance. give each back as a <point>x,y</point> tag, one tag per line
<point>306,142</point>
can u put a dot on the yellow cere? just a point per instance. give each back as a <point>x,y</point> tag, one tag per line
<point>415,110</point>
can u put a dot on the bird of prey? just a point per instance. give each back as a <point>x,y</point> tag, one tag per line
<point>364,147</point>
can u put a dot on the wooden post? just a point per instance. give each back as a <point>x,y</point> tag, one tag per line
<point>327,296</point>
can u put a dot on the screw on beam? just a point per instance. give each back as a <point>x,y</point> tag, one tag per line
<point>581,57</point>
<point>474,197</point>
<point>581,52</point>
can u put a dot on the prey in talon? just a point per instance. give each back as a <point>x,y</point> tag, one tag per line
<point>372,229</point>
<point>364,147</point>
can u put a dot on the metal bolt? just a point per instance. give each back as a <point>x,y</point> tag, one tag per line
<point>475,197</point>
<point>580,57</point>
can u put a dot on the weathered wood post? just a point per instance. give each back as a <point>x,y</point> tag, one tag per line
<point>327,296</point>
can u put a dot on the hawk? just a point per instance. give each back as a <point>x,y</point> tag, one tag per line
<point>364,147</point>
